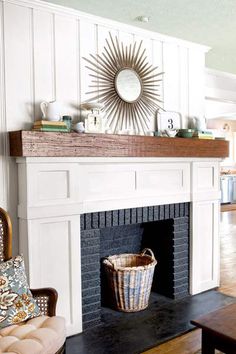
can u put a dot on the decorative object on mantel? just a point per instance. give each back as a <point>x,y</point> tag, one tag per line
<point>50,126</point>
<point>130,279</point>
<point>168,121</point>
<point>185,133</point>
<point>94,122</point>
<point>79,127</point>
<point>68,121</point>
<point>51,110</point>
<point>126,84</point>
<point>33,143</point>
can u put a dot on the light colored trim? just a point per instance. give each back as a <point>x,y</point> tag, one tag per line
<point>220,99</point>
<point>219,73</point>
<point>3,123</point>
<point>41,5</point>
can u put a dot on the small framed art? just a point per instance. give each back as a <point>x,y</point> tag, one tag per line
<point>168,120</point>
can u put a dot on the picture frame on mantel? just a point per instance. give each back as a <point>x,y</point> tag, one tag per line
<point>168,120</point>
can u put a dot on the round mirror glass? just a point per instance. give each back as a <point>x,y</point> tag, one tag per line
<point>128,85</point>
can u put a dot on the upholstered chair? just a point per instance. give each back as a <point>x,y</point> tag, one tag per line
<point>44,334</point>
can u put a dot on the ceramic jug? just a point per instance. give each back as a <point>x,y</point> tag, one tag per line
<point>51,110</point>
<point>200,123</point>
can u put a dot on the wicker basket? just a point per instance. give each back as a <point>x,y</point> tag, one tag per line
<point>130,279</point>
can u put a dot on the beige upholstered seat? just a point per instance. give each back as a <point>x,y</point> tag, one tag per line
<point>44,334</point>
<point>40,335</point>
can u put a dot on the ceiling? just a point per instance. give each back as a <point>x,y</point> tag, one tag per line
<point>209,22</point>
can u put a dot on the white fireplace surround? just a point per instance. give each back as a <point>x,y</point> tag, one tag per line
<point>54,192</point>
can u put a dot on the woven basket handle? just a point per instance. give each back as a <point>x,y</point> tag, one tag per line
<point>145,250</point>
<point>107,261</point>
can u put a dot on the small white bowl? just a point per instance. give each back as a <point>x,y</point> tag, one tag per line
<point>171,132</point>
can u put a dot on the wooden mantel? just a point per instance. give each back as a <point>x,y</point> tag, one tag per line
<point>50,144</point>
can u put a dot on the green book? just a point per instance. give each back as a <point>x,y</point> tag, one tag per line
<point>51,129</point>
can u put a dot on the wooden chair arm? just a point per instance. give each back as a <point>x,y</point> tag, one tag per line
<point>46,299</point>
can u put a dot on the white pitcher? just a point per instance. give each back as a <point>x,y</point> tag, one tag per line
<point>51,110</point>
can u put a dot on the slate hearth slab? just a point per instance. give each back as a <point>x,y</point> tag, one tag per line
<point>132,333</point>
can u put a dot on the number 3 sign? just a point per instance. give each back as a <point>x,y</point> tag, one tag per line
<point>168,120</point>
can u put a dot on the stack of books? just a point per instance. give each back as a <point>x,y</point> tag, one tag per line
<point>50,126</point>
<point>203,134</point>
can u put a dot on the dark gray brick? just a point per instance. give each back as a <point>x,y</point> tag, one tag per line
<point>95,221</point>
<point>177,215</point>
<point>90,283</point>
<point>82,222</point>
<point>91,292</point>
<point>91,316</point>
<point>145,214</point>
<point>139,215</point>
<point>89,267</point>
<point>115,218</point>
<point>121,217</point>
<point>108,218</point>
<point>127,216</point>
<point>156,213</point>
<point>102,220</point>
<point>150,213</point>
<point>162,212</point>
<point>92,308</point>
<point>91,299</point>
<point>91,275</point>
<point>167,211</point>
<point>88,221</point>
<point>134,216</point>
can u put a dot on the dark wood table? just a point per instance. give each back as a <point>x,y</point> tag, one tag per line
<point>218,330</point>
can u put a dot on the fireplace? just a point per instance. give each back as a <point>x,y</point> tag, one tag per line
<point>164,229</point>
<point>69,202</point>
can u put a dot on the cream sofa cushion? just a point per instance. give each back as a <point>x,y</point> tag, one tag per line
<point>40,335</point>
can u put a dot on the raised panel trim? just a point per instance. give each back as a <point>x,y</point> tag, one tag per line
<point>31,247</point>
<point>197,284</point>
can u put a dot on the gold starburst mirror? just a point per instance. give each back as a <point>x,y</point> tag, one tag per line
<point>126,84</point>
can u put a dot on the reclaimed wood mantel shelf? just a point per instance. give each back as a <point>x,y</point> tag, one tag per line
<point>51,144</point>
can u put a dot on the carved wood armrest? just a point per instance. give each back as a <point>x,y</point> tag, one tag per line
<point>46,299</point>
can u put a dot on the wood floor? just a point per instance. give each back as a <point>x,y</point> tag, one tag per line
<point>190,343</point>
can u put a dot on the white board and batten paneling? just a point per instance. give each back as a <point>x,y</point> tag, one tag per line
<point>41,58</point>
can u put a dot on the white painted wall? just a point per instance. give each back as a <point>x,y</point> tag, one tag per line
<point>41,50</point>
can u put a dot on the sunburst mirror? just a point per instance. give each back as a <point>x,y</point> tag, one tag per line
<point>126,84</point>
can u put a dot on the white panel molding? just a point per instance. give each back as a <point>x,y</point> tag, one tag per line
<point>205,246</point>
<point>60,238</point>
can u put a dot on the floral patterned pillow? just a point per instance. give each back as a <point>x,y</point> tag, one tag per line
<point>16,301</point>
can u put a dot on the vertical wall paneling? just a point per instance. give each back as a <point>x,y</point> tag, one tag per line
<point>157,60</point>
<point>171,77</point>
<point>183,84</point>
<point>3,165</point>
<point>18,66</point>
<point>87,46</point>
<point>196,82</point>
<point>66,62</point>
<point>43,58</point>
<point>126,38</point>
<point>147,45</point>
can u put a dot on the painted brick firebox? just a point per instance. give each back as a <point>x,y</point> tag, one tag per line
<point>164,229</point>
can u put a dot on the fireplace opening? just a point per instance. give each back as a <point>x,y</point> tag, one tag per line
<point>164,229</point>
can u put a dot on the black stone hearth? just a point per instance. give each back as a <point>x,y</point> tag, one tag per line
<point>164,229</point>
<point>134,333</point>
